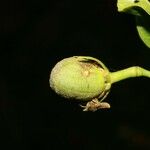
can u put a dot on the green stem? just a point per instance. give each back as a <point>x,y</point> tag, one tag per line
<point>129,73</point>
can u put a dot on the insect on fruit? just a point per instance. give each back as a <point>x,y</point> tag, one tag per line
<point>88,79</point>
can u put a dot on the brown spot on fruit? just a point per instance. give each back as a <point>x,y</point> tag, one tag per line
<point>85,69</point>
<point>86,73</point>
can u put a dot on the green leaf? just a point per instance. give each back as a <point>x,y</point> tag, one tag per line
<point>141,10</point>
<point>143,28</point>
<point>128,5</point>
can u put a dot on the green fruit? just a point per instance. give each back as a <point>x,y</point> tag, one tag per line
<point>87,79</point>
<point>80,77</point>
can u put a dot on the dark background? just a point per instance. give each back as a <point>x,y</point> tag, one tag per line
<point>34,36</point>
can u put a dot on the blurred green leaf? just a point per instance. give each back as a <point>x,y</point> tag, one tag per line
<point>141,10</point>
<point>143,27</point>
<point>129,5</point>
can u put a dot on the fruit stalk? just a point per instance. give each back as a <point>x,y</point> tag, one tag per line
<point>135,71</point>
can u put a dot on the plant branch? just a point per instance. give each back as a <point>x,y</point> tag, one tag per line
<point>129,73</point>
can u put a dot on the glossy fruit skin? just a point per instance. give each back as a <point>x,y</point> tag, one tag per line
<point>80,77</point>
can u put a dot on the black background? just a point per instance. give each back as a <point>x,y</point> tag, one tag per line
<point>34,36</point>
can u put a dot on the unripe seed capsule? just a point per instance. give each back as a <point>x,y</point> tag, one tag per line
<point>88,79</point>
<point>81,78</point>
